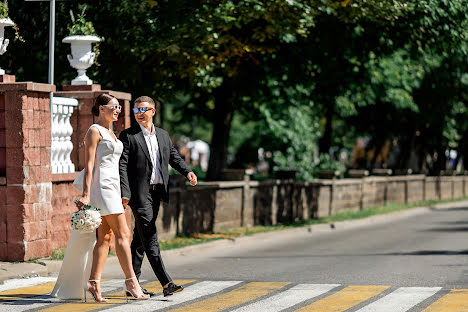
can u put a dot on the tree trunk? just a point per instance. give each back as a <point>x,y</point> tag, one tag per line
<point>222,118</point>
<point>326,140</point>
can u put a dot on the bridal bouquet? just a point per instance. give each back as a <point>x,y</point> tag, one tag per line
<point>86,220</point>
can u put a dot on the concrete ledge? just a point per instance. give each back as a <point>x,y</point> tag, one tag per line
<point>9,270</point>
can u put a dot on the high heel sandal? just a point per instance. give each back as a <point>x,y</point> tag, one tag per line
<point>128,291</point>
<point>97,300</point>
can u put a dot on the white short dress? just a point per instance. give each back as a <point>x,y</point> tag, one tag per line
<point>105,185</point>
<point>104,194</point>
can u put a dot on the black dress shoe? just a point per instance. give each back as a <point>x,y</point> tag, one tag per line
<point>151,294</point>
<point>172,288</point>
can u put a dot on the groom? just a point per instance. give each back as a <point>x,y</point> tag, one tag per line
<point>144,177</point>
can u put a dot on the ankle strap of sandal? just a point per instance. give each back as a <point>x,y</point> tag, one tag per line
<point>130,278</point>
<point>94,280</point>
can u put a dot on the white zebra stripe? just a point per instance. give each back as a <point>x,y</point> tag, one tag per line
<point>25,282</point>
<point>288,298</point>
<point>41,302</point>
<point>192,292</point>
<point>402,299</point>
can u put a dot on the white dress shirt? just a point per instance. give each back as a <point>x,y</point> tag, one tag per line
<point>153,148</point>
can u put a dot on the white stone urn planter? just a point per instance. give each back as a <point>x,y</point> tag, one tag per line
<point>81,57</point>
<point>4,42</point>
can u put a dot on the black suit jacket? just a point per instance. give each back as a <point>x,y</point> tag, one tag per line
<point>136,167</point>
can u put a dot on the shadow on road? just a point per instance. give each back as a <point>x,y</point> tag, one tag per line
<point>454,222</point>
<point>448,229</point>
<point>409,253</point>
<point>450,209</point>
<point>427,253</point>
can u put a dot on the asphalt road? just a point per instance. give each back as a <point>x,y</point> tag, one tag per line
<point>409,261</point>
<point>428,248</point>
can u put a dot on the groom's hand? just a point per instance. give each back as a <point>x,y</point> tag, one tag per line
<point>125,203</point>
<point>192,178</point>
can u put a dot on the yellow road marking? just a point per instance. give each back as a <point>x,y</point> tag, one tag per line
<point>26,292</point>
<point>344,299</point>
<point>455,300</point>
<point>116,297</point>
<point>240,295</point>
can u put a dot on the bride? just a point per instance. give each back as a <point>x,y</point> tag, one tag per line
<point>101,189</point>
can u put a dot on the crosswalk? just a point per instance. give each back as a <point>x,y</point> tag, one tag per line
<point>240,296</point>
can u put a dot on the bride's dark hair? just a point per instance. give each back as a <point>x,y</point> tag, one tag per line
<point>102,99</point>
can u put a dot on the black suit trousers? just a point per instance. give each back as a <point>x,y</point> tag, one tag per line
<point>145,237</point>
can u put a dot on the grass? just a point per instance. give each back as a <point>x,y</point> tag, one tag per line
<point>200,238</point>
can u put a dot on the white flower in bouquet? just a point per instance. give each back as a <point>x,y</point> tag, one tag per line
<point>86,220</point>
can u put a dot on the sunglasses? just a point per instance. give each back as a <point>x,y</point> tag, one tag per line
<point>114,107</point>
<point>141,109</point>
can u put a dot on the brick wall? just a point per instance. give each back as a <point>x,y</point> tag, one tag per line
<point>26,208</point>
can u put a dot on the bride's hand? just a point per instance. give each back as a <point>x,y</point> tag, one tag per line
<point>80,203</point>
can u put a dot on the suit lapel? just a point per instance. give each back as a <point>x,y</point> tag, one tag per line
<point>139,137</point>
<point>159,137</point>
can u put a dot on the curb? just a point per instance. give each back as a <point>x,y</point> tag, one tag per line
<point>11,270</point>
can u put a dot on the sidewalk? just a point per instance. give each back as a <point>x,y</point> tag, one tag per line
<point>45,267</point>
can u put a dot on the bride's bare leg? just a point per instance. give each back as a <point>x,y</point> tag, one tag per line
<point>100,252</point>
<point>118,224</point>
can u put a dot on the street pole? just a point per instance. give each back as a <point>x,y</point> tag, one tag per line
<point>51,54</point>
<point>51,41</point>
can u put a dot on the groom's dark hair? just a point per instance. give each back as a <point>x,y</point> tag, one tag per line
<point>145,98</point>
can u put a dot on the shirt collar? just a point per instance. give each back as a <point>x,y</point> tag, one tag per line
<point>146,132</point>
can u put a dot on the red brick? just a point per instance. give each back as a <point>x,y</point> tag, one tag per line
<point>38,249</point>
<point>45,156</point>
<point>44,104</point>
<point>36,119</point>
<point>3,213</point>
<point>14,196</point>
<point>28,119</point>
<point>2,118</point>
<point>31,194</point>
<point>33,97</point>
<point>2,137</point>
<point>44,119</point>
<point>2,198</point>
<point>3,232</point>
<point>3,251</point>
<point>35,231</point>
<point>14,138</point>
<point>15,157</point>
<point>46,173</point>
<point>28,212</point>
<point>47,136</point>
<point>3,162</point>
<point>32,138</point>
<point>14,119</point>
<point>42,211</point>
<point>15,100</point>
<point>35,174</point>
<point>16,175</point>
<point>15,232</point>
<point>7,78</point>
<point>16,251</point>
<point>32,156</point>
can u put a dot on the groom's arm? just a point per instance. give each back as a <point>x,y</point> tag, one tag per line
<point>123,166</point>
<point>176,161</point>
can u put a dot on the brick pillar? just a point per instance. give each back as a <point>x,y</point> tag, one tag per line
<point>25,173</point>
<point>82,117</point>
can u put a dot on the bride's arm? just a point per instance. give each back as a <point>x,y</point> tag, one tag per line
<point>91,141</point>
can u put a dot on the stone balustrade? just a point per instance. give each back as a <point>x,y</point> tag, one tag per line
<point>62,146</point>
